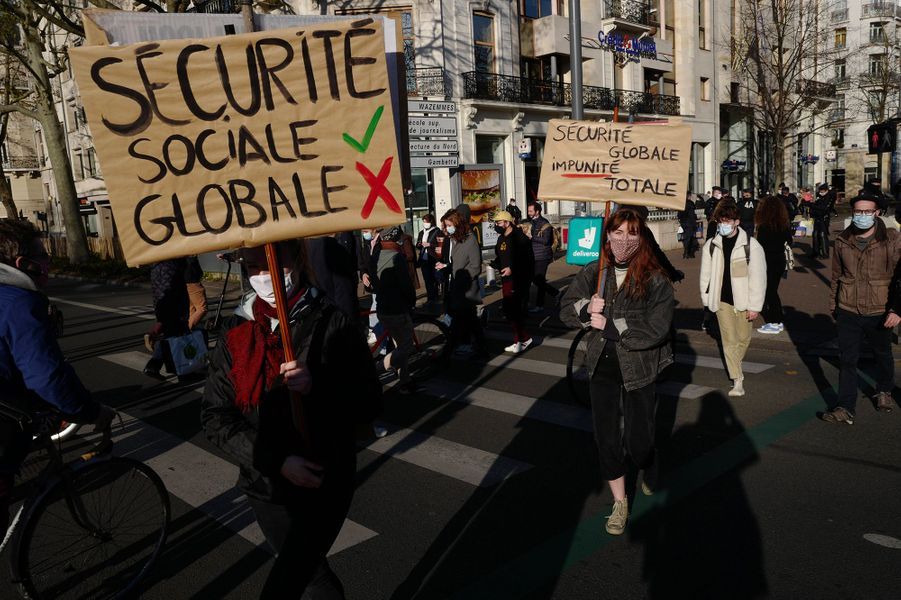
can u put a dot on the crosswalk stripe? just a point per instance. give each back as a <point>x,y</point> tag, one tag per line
<point>178,464</point>
<point>555,413</point>
<point>694,360</point>
<point>463,463</point>
<point>678,389</point>
<point>146,313</point>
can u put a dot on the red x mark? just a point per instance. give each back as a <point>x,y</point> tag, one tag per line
<point>377,188</point>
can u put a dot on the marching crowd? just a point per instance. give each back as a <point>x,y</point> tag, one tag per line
<point>297,459</point>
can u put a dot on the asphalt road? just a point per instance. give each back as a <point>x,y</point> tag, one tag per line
<point>487,485</point>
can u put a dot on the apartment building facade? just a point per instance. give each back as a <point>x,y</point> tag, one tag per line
<point>866,69</point>
<point>506,68</point>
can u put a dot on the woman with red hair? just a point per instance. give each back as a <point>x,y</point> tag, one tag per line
<point>628,347</point>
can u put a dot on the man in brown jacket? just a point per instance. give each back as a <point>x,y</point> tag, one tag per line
<point>866,301</point>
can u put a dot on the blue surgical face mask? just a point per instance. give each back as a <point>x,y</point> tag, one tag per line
<point>451,230</point>
<point>367,235</point>
<point>863,221</point>
<point>724,229</point>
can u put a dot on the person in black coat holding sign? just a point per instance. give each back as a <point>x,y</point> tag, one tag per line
<point>299,485</point>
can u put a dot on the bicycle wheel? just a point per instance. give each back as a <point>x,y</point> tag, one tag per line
<point>431,339</point>
<point>93,534</point>
<point>577,369</point>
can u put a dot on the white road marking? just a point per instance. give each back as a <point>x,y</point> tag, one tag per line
<point>548,411</point>
<point>197,477</point>
<point>143,313</point>
<point>463,463</point>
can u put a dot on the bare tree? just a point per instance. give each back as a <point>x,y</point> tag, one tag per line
<point>780,57</point>
<point>878,80</point>
<point>9,70</point>
<point>35,36</point>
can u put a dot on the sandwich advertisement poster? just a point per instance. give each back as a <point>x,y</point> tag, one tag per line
<point>481,191</point>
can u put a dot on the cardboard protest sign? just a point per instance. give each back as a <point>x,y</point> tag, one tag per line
<point>245,139</point>
<point>627,163</point>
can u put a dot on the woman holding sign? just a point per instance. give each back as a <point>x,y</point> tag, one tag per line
<point>628,347</point>
<point>299,487</point>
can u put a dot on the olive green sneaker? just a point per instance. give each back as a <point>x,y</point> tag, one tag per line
<point>616,522</point>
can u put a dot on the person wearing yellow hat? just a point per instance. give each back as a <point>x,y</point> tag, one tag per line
<point>515,262</point>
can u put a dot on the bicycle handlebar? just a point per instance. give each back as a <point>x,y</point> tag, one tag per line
<point>104,446</point>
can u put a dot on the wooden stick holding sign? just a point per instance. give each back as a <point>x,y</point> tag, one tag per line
<point>276,273</point>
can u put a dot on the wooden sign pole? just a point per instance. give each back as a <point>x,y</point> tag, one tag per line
<point>284,327</point>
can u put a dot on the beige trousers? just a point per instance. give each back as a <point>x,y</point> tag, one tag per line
<point>735,333</point>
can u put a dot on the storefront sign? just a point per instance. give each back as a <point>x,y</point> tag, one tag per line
<point>627,163</point>
<point>629,47</point>
<point>210,143</point>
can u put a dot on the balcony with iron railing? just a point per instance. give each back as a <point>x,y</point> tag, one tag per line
<point>880,9</point>
<point>216,7</point>
<point>635,12</point>
<point>835,115</point>
<point>522,90</point>
<point>428,82</point>
<point>840,81</point>
<point>21,163</point>
<point>816,89</point>
<point>839,15</point>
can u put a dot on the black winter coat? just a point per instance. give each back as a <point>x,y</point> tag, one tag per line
<point>345,392</point>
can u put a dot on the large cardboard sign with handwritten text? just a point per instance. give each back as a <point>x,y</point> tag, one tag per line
<point>616,162</point>
<point>245,139</point>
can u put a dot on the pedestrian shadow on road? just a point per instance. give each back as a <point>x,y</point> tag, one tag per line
<point>528,518</point>
<point>700,535</point>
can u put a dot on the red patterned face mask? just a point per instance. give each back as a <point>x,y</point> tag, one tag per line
<point>624,249</point>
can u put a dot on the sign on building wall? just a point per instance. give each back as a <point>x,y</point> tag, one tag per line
<point>240,140</point>
<point>616,162</point>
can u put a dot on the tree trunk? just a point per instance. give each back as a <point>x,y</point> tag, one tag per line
<point>76,240</point>
<point>6,196</point>
<point>778,157</point>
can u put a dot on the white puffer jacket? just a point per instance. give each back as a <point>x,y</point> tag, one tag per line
<point>748,277</point>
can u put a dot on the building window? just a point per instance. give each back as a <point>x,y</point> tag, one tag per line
<point>841,38</point>
<point>77,165</point>
<point>734,92</point>
<point>483,40</point>
<point>840,72</point>
<point>876,64</point>
<point>535,9</point>
<point>538,69</point>
<point>705,88</point>
<point>489,149</point>
<point>877,33</point>
<point>702,22</point>
<point>403,18</point>
<point>838,138</point>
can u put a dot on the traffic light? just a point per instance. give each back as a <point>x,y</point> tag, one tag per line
<point>881,138</point>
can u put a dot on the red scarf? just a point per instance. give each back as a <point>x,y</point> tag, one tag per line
<point>257,353</point>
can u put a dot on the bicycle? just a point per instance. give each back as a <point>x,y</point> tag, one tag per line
<point>91,527</point>
<point>577,368</point>
<point>430,341</point>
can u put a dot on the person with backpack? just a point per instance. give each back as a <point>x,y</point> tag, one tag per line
<point>710,206</point>
<point>733,286</point>
<point>542,234</point>
<point>514,211</point>
<point>747,207</point>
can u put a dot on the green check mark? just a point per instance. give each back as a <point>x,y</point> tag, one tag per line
<point>367,138</point>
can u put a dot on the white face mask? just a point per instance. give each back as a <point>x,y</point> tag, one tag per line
<point>725,229</point>
<point>451,230</point>
<point>426,225</point>
<point>262,285</point>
